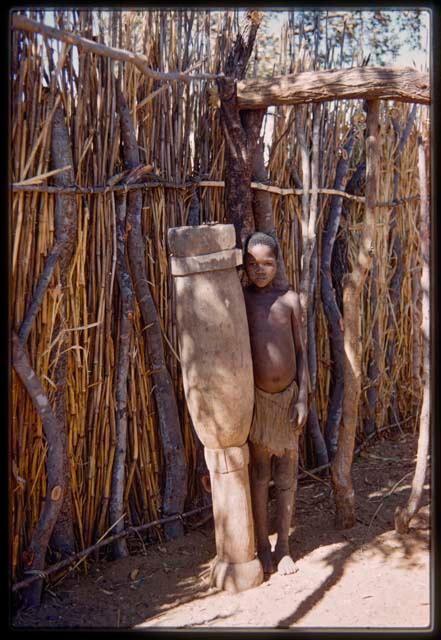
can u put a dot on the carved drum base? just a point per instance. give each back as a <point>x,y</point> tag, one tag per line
<point>237,577</point>
<point>236,567</point>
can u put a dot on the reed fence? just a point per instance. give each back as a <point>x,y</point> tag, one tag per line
<point>180,141</point>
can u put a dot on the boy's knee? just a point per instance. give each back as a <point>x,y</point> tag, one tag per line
<point>284,479</point>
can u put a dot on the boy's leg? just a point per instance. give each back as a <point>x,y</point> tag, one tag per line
<point>259,482</point>
<point>285,480</point>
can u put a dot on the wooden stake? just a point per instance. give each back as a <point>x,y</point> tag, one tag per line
<point>404,516</point>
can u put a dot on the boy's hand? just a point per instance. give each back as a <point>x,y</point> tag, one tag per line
<point>299,413</point>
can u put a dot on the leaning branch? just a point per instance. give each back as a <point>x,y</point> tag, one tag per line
<point>43,283</point>
<point>36,552</point>
<point>110,540</point>
<point>89,46</point>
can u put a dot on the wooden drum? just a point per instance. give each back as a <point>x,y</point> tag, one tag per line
<point>218,382</point>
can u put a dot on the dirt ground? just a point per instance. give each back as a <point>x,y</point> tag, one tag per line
<point>365,577</point>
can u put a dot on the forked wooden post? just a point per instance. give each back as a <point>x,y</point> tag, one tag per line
<point>341,466</point>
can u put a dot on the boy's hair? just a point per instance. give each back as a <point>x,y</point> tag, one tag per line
<point>262,238</point>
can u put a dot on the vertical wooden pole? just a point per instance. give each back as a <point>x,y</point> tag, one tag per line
<point>403,516</point>
<point>310,263</point>
<point>121,392</point>
<point>341,466</point>
<point>175,464</point>
<point>63,537</point>
<point>306,179</point>
<point>330,306</point>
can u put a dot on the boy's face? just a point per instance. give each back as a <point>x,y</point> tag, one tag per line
<point>260,265</point>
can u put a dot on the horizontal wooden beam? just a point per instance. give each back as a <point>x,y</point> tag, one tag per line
<point>395,83</point>
<point>387,83</point>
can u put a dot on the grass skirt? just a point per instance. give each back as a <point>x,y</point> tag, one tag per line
<point>271,427</point>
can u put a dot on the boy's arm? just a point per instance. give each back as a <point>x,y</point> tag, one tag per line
<point>301,357</point>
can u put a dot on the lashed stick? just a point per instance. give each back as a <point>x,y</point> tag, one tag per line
<point>117,536</point>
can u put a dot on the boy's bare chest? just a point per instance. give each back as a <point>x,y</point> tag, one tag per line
<point>268,313</point>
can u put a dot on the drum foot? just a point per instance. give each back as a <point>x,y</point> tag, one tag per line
<point>235,577</point>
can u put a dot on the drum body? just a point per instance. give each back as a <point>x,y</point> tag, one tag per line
<point>214,342</point>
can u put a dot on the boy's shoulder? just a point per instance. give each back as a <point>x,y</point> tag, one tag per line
<point>290,296</point>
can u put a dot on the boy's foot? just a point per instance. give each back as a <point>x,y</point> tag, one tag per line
<point>285,564</point>
<point>265,558</point>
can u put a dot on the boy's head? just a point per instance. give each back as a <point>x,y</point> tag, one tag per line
<point>261,253</point>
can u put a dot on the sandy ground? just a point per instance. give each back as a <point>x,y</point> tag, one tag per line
<point>365,577</point>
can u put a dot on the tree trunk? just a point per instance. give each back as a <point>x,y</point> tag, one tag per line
<point>238,164</point>
<point>341,465</point>
<point>122,368</point>
<point>63,538</point>
<point>330,306</point>
<point>403,516</point>
<point>241,131</point>
<point>175,466</point>
<point>370,83</point>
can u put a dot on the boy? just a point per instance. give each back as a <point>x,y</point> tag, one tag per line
<point>280,410</point>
